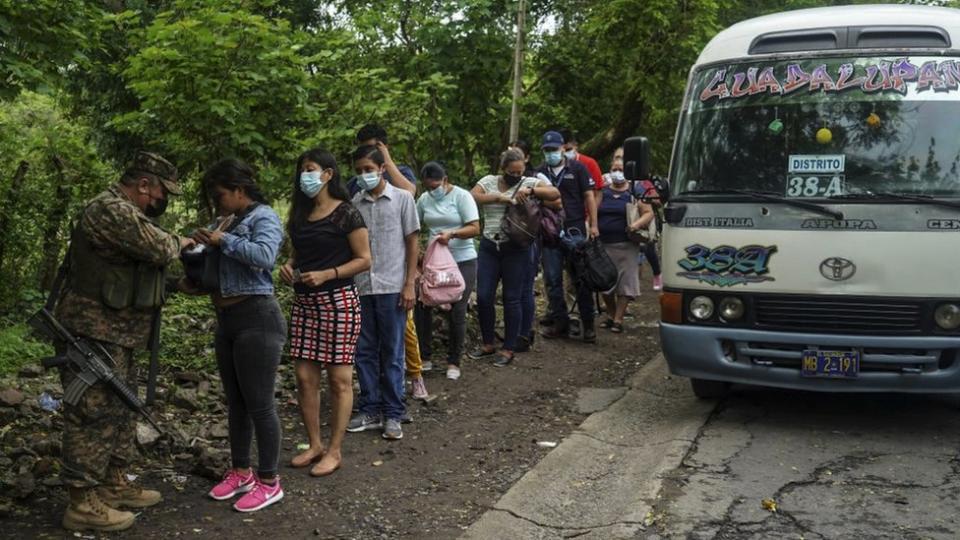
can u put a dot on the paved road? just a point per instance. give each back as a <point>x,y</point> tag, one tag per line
<point>837,466</point>
<point>658,463</point>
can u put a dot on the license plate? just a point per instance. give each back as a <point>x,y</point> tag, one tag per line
<point>831,364</point>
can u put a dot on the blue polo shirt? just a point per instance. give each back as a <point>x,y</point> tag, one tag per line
<point>572,181</point>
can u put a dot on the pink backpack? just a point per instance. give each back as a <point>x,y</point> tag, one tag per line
<point>440,282</point>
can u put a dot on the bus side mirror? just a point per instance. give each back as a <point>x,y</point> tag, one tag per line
<point>636,158</point>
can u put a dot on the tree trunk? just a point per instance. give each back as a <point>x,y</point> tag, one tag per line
<point>51,234</point>
<point>7,212</point>
<point>628,119</point>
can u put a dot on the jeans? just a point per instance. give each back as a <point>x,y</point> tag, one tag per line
<point>506,263</point>
<point>458,318</point>
<point>650,252</point>
<point>554,260</point>
<point>380,354</point>
<point>249,340</point>
<point>528,306</point>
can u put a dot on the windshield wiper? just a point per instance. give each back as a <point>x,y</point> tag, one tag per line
<point>925,199</point>
<point>770,196</point>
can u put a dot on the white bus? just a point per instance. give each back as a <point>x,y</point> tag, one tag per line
<point>812,232</point>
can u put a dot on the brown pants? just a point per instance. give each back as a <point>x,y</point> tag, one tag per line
<point>99,431</point>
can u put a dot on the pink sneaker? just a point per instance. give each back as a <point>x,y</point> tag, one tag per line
<point>658,283</point>
<point>261,496</point>
<point>233,483</point>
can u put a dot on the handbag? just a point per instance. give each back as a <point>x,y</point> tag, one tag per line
<point>551,223</point>
<point>521,222</point>
<point>639,236</point>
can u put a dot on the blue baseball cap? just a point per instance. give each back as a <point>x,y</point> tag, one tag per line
<point>552,139</point>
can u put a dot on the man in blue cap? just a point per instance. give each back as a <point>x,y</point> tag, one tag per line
<point>580,212</point>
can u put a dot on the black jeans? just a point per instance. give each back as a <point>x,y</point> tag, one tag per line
<point>423,317</point>
<point>250,338</point>
<point>650,252</point>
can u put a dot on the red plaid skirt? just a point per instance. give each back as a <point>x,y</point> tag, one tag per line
<point>325,326</point>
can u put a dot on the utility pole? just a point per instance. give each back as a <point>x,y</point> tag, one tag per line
<point>517,73</point>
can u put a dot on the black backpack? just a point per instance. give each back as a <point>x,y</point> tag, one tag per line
<point>594,267</point>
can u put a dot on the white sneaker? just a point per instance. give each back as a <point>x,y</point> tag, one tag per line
<point>426,365</point>
<point>419,388</point>
<point>453,372</point>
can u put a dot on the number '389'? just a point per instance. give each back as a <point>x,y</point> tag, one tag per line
<point>746,260</point>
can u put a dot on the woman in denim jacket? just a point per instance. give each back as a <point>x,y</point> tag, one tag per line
<point>251,330</point>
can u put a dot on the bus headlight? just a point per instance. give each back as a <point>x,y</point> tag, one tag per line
<point>947,316</point>
<point>701,308</point>
<point>732,309</point>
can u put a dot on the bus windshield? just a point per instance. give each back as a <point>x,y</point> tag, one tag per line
<point>819,128</point>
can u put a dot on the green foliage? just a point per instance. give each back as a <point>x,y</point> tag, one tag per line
<point>18,348</point>
<point>44,41</point>
<point>35,211</point>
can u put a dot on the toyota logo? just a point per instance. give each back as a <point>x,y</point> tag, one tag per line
<point>837,269</point>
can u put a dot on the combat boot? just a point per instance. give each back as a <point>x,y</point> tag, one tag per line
<point>117,492</point>
<point>86,512</point>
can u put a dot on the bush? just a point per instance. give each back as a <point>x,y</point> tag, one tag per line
<point>18,348</point>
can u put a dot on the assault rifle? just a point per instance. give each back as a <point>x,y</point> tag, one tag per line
<point>89,360</point>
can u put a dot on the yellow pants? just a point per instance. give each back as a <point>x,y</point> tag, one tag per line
<point>411,346</point>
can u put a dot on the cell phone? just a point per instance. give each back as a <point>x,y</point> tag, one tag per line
<point>297,277</point>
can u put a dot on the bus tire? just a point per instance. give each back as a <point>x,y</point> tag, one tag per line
<point>707,389</point>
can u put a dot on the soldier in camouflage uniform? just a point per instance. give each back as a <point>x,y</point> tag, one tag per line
<point>114,284</point>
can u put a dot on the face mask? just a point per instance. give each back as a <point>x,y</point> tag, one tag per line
<point>439,192</point>
<point>552,158</point>
<point>156,209</point>
<point>511,180</point>
<point>570,154</point>
<point>369,180</point>
<point>617,177</point>
<point>310,183</point>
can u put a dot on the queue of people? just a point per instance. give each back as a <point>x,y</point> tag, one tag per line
<point>353,265</point>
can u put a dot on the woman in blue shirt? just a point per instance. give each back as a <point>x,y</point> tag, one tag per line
<point>612,218</point>
<point>251,330</point>
<point>451,215</point>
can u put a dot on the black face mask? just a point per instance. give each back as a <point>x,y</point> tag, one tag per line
<point>156,208</point>
<point>511,180</point>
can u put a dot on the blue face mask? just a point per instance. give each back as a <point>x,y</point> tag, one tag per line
<point>369,180</point>
<point>311,183</point>
<point>553,158</point>
<point>439,192</point>
<point>570,154</point>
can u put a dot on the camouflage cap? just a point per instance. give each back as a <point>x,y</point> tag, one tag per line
<point>150,163</point>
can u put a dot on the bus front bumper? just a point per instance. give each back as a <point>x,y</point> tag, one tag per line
<point>921,364</point>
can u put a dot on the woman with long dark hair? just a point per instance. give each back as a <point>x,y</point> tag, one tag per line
<point>250,330</point>
<point>330,246</point>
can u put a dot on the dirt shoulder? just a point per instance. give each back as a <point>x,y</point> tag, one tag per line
<point>459,456</point>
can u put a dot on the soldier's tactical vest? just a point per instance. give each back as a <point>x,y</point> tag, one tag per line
<point>131,284</point>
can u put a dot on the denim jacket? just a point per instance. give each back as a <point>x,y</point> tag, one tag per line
<point>249,252</point>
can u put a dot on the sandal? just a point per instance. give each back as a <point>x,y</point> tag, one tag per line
<point>480,352</point>
<point>608,324</point>
<point>502,360</point>
<point>616,328</point>
<point>315,473</point>
<point>299,465</point>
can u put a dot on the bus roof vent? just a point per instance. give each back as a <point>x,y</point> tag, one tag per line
<point>853,37</point>
<point>899,37</point>
<point>818,39</point>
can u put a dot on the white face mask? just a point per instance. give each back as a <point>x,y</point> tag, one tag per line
<point>570,154</point>
<point>617,177</point>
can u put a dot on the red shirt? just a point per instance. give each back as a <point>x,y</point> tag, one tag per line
<point>593,169</point>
